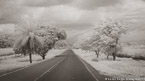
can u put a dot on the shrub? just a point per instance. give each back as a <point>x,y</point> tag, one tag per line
<point>139,57</point>
<point>123,55</point>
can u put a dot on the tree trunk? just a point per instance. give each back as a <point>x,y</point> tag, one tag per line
<point>43,57</point>
<point>117,41</point>
<point>114,56</point>
<point>30,56</point>
<point>24,52</point>
<point>97,53</point>
<point>107,56</point>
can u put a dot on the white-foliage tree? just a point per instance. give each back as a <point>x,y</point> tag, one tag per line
<point>61,34</point>
<point>96,43</point>
<point>50,35</point>
<point>105,37</point>
<point>86,46</point>
<point>61,44</point>
<point>6,40</point>
<point>111,31</point>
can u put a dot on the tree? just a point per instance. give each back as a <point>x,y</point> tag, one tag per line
<point>112,29</point>
<point>96,42</point>
<point>61,44</point>
<point>105,37</point>
<point>6,40</point>
<point>28,43</point>
<point>61,34</point>
<point>96,46</point>
<point>48,44</point>
<point>44,31</point>
<point>50,35</point>
<point>85,45</point>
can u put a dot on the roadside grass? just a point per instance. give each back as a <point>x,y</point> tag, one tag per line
<point>11,62</point>
<point>120,68</point>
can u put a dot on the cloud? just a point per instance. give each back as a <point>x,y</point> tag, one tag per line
<point>76,26</point>
<point>73,15</point>
<point>9,28</point>
<point>83,4</point>
<point>60,14</point>
<point>93,4</point>
<point>11,11</point>
<point>45,3</point>
<point>69,11</point>
<point>134,35</point>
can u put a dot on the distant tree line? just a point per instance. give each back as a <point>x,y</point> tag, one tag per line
<point>6,40</point>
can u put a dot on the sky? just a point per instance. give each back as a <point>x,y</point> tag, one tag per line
<point>75,16</point>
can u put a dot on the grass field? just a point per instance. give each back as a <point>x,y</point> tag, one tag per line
<point>10,62</point>
<point>121,68</point>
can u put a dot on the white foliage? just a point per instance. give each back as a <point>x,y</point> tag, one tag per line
<point>61,44</point>
<point>103,36</point>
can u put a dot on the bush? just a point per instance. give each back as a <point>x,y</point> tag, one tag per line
<point>139,57</point>
<point>123,55</point>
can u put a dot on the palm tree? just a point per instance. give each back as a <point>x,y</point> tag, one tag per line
<point>28,44</point>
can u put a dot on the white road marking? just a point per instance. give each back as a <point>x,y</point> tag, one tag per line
<point>49,69</point>
<point>87,68</point>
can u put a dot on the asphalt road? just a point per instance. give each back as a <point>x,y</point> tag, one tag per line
<point>65,67</point>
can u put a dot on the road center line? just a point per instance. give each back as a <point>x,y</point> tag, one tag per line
<point>87,68</point>
<point>49,69</point>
